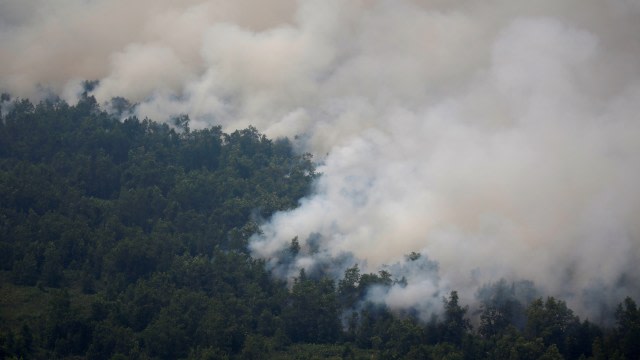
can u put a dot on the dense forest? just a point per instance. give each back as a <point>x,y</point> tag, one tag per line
<point>128,240</point>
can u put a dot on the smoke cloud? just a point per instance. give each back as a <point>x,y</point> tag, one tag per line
<point>499,139</point>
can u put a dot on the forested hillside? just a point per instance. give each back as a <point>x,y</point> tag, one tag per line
<point>128,239</point>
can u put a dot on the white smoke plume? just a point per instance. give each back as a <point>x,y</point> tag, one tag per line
<point>500,139</point>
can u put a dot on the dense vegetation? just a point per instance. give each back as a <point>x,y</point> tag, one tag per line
<point>128,239</point>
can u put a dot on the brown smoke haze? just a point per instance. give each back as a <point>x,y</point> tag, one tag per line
<point>499,139</point>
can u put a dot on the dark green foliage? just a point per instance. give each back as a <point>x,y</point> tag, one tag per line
<point>348,287</point>
<point>404,336</point>
<point>628,329</point>
<point>503,305</point>
<point>353,287</point>
<point>455,324</point>
<point>312,315</point>
<point>128,240</point>
<point>151,220</point>
<point>294,248</point>
<point>553,322</point>
<point>65,332</point>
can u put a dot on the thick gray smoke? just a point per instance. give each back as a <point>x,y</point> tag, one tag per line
<point>500,138</point>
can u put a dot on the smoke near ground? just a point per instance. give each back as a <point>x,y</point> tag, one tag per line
<point>499,139</point>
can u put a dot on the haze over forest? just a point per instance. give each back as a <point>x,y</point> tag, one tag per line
<point>497,139</point>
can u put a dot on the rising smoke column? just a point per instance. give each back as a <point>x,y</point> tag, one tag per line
<point>499,139</point>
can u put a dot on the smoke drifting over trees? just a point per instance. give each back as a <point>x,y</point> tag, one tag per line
<point>498,139</point>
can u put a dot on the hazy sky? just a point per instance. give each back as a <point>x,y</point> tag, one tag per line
<point>500,138</point>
